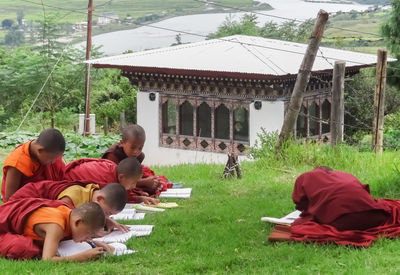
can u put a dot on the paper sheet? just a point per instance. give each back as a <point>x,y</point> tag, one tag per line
<point>178,193</point>
<point>120,237</point>
<point>69,248</point>
<point>286,220</point>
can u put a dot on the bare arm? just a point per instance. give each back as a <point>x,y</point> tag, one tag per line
<point>53,234</point>
<point>112,157</point>
<point>13,181</point>
<point>67,199</point>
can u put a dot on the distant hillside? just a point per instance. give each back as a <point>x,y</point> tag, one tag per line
<point>373,2</point>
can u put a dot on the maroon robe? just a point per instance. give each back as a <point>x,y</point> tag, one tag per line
<point>325,197</point>
<point>98,171</point>
<point>45,189</point>
<point>13,216</point>
<point>119,153</point>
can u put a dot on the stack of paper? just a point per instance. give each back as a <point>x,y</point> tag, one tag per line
<point>128,214</point>
<point>141,208</point>
<point>121,237</point>
<point>286,220</point>
<point>178,193</point>
<point>69,248</point>
<point>164,205</point>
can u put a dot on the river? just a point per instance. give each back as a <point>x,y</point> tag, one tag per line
<point>153,36</point>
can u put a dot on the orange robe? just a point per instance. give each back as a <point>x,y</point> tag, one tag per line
<point>31,170</point>
<point>59,215</point>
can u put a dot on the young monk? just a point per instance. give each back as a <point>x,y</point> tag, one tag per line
<point>103,172</point>
<point>111,198</point>
<point>131,145</point>
<point>35,160</point>
<point>49,226</point>
<point>31,227</point>
<point>338,199</point>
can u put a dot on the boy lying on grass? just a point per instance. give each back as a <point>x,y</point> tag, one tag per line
<point>32,227</point>
<point>103,171</point>
<point>112,198</point>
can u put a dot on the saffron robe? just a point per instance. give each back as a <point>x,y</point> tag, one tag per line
<point>117,151</point>
<point>13,217</point>
<point>325,196</point>
<point>98,171</point>
<point>31,170</point>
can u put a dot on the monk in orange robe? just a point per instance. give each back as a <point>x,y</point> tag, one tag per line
<point>35,160</point>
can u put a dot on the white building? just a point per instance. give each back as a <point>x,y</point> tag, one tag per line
<point>199,101</point>
<point>107,18</point>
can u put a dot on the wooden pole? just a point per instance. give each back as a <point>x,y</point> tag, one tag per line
<point>122,120</point>
<point>106,126</point>
<point>87,77</point>
<point>337,110</point>
<point>303,77</point>
<point>379,102</point>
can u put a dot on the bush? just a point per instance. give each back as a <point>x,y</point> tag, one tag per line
<point>77,146</point>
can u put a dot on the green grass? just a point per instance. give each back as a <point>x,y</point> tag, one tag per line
<point>218,230</point>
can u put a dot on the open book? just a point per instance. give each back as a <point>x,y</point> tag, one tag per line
<point>121,237</point>
<point>163,205</point>
<point>286,220</point>
<point>141,208</point>
<point>178,193</point>
<point>128,214</point>
<point>69,248</point>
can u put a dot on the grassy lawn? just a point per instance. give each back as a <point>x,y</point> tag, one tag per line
<point>219,230</point>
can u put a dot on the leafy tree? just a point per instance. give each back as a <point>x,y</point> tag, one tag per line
<point>391,32</point>
<point>7,23</point>
<point>14,37</point>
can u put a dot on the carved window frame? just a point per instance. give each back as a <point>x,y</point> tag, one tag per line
<point>195,142</point>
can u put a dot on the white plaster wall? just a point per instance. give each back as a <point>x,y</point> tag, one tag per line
<point>148,118</point>
<point>270,117</point>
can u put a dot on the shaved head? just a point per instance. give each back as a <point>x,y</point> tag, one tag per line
<point>52,141</point>
<point>133,132</point>
<point>130,167</point>
<point>91,214</point>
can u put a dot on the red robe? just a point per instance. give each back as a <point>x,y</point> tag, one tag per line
<point>325,196</point>
<point>118,152</point>
<point>98,171</point>
<point>13,215</point>
<point>32,171</point>
<point>45,189</point>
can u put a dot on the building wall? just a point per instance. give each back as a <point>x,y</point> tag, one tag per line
<point>269,117</point>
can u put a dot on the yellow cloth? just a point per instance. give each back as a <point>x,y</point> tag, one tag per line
<point>78,194</point>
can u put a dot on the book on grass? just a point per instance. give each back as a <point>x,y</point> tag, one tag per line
<point>286,220</point>
<point>122,237</point>
<point>128,214</point>
<point>163,205</point>
<point>140,208</point>
<point>179,193</point>
<point>70,248</point>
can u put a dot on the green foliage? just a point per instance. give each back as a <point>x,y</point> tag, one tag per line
<point>289,30</point>
<point>77,146</point>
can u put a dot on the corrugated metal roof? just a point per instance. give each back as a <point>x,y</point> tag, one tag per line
<point>236,54</point>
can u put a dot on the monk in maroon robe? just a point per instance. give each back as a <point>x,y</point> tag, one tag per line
<point>337,207</point>
<point>102,172</point>
<point>13,216</point>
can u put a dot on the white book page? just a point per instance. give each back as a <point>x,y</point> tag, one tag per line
<point>121,237</point>
<point>288,219</point>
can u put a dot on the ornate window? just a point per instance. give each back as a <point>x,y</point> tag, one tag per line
<point>314,120</point>
<point>204,124</point>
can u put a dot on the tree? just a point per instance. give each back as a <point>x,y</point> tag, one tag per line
<point>7,24</point>
<point>14,37</point>
<point>391,32</point>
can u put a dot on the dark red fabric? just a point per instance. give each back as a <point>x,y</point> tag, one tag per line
<point>45,189</point>
<point>327,198</point>
<point>119,153</point>
<point>323,233</point>
<point>323,196</point>
<point>54,171</point>
<point>147,172</point>
<point>99,171</point>
<point>13,216</point>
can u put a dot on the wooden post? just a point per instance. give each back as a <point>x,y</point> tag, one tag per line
<point>122,121</point>
<point>379,102</point>
<point>303,77</point>
<point>337,109</point>
<point>87,77</point>
<point>106,126</point>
